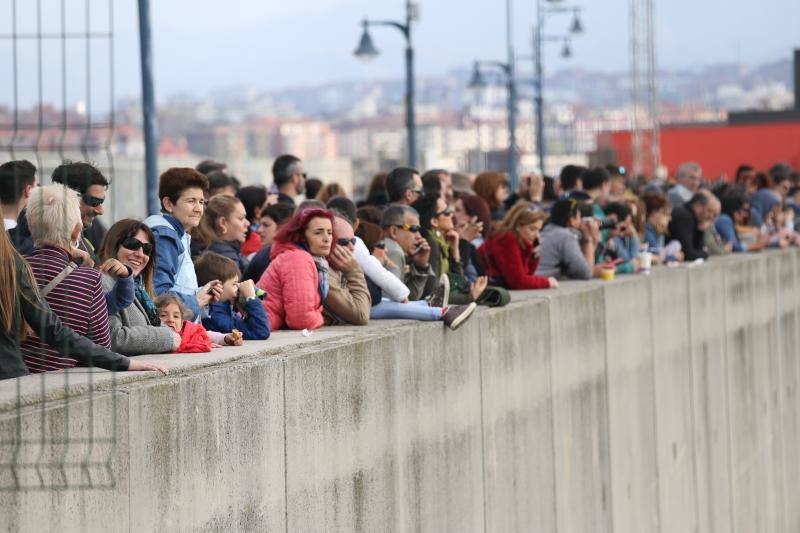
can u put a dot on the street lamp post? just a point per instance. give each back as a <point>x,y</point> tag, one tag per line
<point>366,50</point>
<point>477,82</point>
<point>538,40</point>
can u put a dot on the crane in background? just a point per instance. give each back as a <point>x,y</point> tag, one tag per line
<point>644,89</point>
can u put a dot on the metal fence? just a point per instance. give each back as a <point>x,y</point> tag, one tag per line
<point>57,104</point>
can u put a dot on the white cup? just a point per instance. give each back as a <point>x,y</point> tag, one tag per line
<point>645,262</point>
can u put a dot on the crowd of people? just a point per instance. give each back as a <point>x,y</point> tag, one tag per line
<point>222,264</point>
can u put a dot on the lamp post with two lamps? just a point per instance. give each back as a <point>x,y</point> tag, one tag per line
<point>366,50</point>
<point>477,82</point>
<point>538,39</point>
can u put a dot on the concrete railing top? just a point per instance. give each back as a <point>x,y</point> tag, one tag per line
<point>32,389</point>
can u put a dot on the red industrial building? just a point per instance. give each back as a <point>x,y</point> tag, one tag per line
<point>758,138</point>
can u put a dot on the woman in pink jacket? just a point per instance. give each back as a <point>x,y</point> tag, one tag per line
<point>296,281</point>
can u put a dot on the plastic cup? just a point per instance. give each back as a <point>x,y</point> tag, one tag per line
<point>645,262</point>
<point>607,274</point>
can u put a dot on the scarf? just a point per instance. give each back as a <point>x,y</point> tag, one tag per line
<point>144,299</point>
<point>444,248</point>
<point>323,283</point>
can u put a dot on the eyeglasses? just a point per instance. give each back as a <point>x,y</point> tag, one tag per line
<point>345,242</point>
<point>93,201</point>
<point>447,212</point>
<point>134,244</point>
<point>412,228</point>
<point>418,191</point>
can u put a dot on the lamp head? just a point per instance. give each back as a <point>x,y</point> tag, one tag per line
<point>566,51</point>
<point>477,82</point>
<point>577,27</point>
<point>366,50</point>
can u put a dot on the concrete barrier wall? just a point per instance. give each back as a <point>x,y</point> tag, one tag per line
<point>666,403</point>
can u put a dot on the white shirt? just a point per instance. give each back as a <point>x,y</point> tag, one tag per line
<point>9,223</point>
<point>391,286</point>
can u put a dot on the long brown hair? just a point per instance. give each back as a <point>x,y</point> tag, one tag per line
<point>9,285</point>
<point>486,185</point>
<point>220,206</point>
<point>124,229</point>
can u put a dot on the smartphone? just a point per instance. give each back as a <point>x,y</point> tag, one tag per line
<point>417,250</point>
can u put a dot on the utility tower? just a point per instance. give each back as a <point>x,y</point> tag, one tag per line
<point>645,149</point>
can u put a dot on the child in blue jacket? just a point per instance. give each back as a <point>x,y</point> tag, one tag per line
<point>238,307</point>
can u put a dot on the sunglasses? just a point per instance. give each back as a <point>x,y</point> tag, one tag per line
<point>381,245</point>
<point>412,228</point>
<point>134,244</point>
<point>447,212</point>
<point>93,201</point>
<point>345,242</point>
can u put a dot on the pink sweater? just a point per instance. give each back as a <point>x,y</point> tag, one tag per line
<point>292,300</point>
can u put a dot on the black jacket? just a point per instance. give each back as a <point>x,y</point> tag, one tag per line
<point>683,228</point>
<point>230,249</point>
<point>49,327</point>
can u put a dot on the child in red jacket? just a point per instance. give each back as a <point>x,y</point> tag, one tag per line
<point>194,337</point>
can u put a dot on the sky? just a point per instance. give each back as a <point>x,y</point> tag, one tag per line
<point>200,45</point>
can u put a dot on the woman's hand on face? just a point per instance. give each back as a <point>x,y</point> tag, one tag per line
<point>470,230</point>
<point>115,268</point>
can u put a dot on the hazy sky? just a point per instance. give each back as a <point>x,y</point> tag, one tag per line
<point>203,44</point>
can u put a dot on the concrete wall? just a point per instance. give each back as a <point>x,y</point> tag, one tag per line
<point>666,403</point>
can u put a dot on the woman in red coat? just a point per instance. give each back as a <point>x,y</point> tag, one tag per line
<point>296,281</point>
<point>510,254</point>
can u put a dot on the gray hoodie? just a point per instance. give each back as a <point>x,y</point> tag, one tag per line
<point>560,254</point>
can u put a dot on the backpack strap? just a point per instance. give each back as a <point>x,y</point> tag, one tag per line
<point>58,279</point>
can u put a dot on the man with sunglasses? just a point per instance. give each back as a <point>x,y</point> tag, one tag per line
<point>408,250</point>
<point>289,178</point>
<point>91,185</point>
<point>404,186</point>
<point>348,298</point>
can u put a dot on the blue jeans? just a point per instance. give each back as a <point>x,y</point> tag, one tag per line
<point>417,310</point>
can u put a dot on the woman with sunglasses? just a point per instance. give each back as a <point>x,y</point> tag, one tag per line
<point>136,329</point>
<point>436,219</point>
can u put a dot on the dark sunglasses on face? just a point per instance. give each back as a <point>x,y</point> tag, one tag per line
<point>381,245</point>
<point>413,229</point>
<point>134,244</point>
<point>345,242</point>
<point>447,212</point>
<point>93,201</point>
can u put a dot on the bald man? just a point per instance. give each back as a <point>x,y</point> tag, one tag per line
<point>348,299</point>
